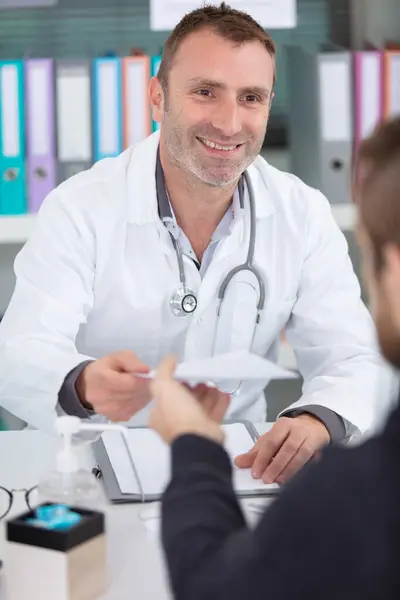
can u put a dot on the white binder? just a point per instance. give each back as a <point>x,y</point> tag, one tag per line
<point>321,120</point>
<point>74,127</point>
<point>368,92</point>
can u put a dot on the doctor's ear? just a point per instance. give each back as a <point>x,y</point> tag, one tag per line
<point>156,95</point>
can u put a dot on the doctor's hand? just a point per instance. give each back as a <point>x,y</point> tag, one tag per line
<point>281,452</point>
<point>179,409</point>
<point>109,386</point>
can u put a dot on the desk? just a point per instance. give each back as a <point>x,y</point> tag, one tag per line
<point>136,568</point>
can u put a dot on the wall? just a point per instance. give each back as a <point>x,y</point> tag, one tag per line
<point>80,28</point>
<point>381,21</point>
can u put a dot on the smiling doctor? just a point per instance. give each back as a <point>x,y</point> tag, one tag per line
<point>139,257</point>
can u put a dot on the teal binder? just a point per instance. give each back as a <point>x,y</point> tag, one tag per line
<point>12,150</point>
<point>155,63</point>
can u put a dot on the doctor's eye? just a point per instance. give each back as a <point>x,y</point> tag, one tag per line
<point>252,99</point>
<point>203,92</point>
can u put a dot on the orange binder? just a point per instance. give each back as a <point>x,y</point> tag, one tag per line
<point>391,83</point>
<point>135,95</point>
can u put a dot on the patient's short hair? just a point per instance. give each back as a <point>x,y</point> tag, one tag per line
<point>377,186</point>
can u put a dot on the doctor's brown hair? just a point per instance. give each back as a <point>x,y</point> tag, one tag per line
<point>377,187</point>
<point>233,25</point>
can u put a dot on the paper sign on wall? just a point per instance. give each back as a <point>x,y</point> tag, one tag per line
<point>271,14</point>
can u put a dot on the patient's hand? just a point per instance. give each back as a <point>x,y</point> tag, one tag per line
<point>178,410</point>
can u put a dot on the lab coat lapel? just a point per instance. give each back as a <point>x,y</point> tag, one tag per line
<point>233,250</point>
<point>141,182</point>
<point>229,253</point>
<point>142,192</point>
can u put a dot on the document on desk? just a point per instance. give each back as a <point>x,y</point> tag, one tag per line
<point>233,366</point>
<point>152,461</point>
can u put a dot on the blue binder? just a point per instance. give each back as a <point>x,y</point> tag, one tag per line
<point>155,64</point>
<point>107,108</point>
<point>12,151</point>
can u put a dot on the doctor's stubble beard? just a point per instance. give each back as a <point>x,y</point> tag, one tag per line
<point>181,148</point>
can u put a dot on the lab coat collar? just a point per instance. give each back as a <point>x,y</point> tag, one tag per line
<point>141,184</point>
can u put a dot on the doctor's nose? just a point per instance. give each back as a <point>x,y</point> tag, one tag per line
<point>226,118</point>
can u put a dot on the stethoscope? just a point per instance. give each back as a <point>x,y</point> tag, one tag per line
<point>183,301</point>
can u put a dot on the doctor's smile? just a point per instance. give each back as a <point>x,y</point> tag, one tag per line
<point>191,243</point>
<point>219,149</point>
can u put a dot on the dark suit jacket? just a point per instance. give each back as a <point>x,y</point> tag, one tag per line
<point>334,532</point>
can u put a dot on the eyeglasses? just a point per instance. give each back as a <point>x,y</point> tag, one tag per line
<point>7,499</point>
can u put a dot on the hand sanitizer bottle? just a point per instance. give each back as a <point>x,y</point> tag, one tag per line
<point>69,484</point>
<point>61,542</point>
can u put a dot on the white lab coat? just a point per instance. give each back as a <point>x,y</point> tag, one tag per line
<point>98,271</point>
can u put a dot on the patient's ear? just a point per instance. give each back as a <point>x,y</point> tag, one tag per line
<point>391,257</point>
<point>388,282</point>
<point>389,272</point>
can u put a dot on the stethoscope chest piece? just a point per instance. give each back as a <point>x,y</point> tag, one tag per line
<point>183,302</point>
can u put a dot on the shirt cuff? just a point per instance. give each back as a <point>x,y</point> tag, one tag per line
<point>68,398</point>
<point>332,421</point>
<point>190,449</point>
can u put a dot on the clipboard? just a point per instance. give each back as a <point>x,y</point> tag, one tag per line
<point>105,471</point>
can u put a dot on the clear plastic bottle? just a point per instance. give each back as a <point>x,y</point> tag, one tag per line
<point>68,484</point>
<point>79,489</point>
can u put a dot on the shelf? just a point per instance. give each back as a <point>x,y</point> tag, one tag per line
<point>345,215</point>
<point>286,357</point>
<point>15,230</point>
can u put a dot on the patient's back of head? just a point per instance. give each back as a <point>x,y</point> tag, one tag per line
<point>377,194</point>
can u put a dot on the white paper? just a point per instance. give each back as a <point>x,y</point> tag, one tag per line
<point>233,366</point>
<point>272,14</point>
<point>152,460</point>
<point>335,101</point>
<point>10,110</point>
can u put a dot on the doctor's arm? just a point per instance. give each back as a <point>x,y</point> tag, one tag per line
<point>330,329</point>
<point>332,335</point>
<point>53,296</point>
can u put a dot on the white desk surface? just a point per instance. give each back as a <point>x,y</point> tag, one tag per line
<point>135,561</point>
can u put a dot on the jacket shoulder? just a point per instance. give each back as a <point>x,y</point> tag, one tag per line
<point>100,188</point>
<point>289,191</point>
